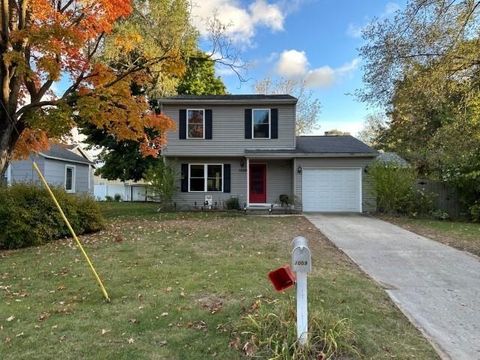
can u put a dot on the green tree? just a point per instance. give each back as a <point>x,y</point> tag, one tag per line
<point>422,66</point>
<point>162,179</point>
<point>200,78</point>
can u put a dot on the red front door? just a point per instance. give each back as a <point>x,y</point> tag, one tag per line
<point>258,183</point>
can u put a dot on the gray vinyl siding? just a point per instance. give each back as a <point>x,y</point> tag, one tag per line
<point>279,181</point>
<point>55,174</point>
<point>228,130</point>
<point>185,200</point>
<point>22,171</point>
<point>368,197</point>
<point>53,171</point>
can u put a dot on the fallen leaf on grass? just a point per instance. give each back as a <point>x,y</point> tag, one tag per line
<point>104,331</point>
<point>235,343</point>
<point>131,341</point>
<point>249,349</point>
<point>43,316</point>
<point>11,318</point>
<point>197,325</point>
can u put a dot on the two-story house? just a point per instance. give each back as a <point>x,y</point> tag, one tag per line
<point>245,146</point>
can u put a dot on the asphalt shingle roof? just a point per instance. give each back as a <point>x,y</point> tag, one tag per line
<point>233,97</point>
<point>61,152</point>
<point>230,99</point>
<point>332,144</point>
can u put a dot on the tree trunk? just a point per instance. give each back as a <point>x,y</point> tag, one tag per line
<point>8,139</point>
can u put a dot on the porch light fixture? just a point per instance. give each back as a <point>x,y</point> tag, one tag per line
<point>242,162</point>
<point>299,170</point>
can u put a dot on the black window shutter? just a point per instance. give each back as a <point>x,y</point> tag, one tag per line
<point>274,125</point>
<point>248,123</point>
<point>227,178</point>
<point>184,186</point>
<point>208,124</point>
<point>182,133</point>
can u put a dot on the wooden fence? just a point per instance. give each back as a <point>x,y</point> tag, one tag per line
<point>445,196</point>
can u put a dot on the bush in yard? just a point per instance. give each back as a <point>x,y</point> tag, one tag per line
<point>117,197</point>
<point>232,204</point>
<point>269,332</point>
<point>162,179</point>
<point>475,212</point>
<point>28,216</point>
<point>396,191</point>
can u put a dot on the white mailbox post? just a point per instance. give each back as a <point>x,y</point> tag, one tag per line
<point>302,265</point>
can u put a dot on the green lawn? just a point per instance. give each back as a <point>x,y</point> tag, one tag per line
<point>461,235</point>
<point>165,273</point>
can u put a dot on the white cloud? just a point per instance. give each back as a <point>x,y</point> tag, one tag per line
<point>240,21</point>
<point>293,64</point>
<point>321,77</point>
<point>267,14</point>
<point>355,30</point>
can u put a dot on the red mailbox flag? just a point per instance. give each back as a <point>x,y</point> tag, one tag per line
<point>282,278</point>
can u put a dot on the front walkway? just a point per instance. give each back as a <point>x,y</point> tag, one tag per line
<point>436,286</point>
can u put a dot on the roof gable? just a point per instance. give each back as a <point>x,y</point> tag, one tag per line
<point>62,153</point>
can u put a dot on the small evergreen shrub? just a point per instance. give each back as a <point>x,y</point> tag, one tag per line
<point>232,204</point>
<point>28,216</point>
<point>117,197</point>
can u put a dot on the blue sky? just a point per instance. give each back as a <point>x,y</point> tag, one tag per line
<point>314,40</point>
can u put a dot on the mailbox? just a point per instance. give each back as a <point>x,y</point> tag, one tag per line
<point>301,256</point>
<point>282,278</point>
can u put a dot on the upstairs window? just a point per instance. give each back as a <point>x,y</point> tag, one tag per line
<point>195,124</point>
<point>261,123</point>
<point>205,177</point>
<point>70,178</point>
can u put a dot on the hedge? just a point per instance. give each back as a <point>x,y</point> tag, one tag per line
<point>28,216</point>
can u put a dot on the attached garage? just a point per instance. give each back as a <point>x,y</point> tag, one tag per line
<point>332,190</point>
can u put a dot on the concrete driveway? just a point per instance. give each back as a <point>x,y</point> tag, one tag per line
<point>436,286</point>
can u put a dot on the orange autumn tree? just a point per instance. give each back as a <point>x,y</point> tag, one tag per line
<point>96,47</point>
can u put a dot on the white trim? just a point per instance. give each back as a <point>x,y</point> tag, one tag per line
<point>89,177</point>
<point>269,125</point>
<point>203,126</point>
<point>248,182</point>
<point>9,174</point>
<point>361,189</point>
<point>74,173</point>
<point>205,176</point>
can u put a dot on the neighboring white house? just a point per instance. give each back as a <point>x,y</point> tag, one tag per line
<point>128,190</point>
<point>62,165</point>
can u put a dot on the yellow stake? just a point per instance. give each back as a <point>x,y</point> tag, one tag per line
<point>71,230</point>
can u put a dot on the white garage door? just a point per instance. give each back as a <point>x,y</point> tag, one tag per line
<point>335,190</point>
